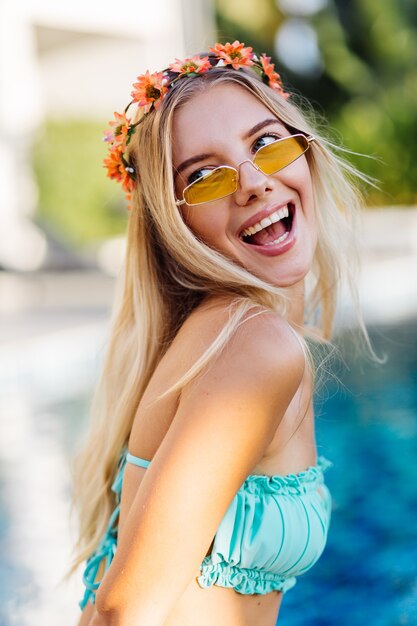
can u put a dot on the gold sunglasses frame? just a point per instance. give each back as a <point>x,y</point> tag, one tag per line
<point>309,139</point>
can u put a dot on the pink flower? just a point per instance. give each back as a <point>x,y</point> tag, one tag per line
<point>191,65</point>
<point>149,90</point>
<point>274,79</point>
<point>234,54</point>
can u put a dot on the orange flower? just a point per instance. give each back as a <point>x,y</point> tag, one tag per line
<point>119,129</point>
<point>149,90</point>
<point>191,65</point>
<point>234,54</point>
<point>274,79</point>
<point>128,184</point>
<point>116,169</point>
<point>113,163</point>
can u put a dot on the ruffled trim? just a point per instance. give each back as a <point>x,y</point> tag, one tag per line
<point>108,545</point>
<point>245,581</point>
<point>290,484</point>
<point>105,550</point>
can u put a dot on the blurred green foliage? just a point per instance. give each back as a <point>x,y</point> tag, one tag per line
<point>368,87</point>
<point>367,91</point>
<point>76,199</point>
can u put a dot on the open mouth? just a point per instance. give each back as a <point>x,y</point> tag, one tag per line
<point>272,230</point>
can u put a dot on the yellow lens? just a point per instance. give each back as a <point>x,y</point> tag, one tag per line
<point>274,156</point>
<point>217,184</point>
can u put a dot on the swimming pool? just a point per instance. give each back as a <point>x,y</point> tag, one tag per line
<point>367,425</point>
<point>368,428</point>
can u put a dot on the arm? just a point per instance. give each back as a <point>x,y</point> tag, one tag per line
<point>224,422</point>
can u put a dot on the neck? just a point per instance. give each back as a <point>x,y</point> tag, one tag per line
<point>296,294</point>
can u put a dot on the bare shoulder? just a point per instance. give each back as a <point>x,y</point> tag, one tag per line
<point>267,336</point>
<point>257,372</point>
<point>262,343</point>
<point>227,416</point>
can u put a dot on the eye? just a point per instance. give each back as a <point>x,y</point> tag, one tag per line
<point>264,140</point>
<point>197,174</point>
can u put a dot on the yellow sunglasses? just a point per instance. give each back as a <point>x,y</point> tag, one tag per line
<point>222,181</point>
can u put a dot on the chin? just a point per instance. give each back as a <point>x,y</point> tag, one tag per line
<point>287,282</point>
<point>290,278</point>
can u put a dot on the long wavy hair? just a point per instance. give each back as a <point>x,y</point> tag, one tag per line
<point>168,271</point>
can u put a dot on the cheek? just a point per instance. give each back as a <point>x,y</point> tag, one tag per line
<point>207,225</point>
<point>297,176</point>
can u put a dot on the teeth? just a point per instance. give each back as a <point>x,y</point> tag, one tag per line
<point>267,221</point>
<point>271,243</point>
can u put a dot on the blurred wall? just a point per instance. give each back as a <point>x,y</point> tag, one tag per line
<point>69,60</point>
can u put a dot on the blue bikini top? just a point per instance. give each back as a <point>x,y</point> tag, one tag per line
<point>274,530</point>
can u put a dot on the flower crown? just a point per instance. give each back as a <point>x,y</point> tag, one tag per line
<point>150,89</point>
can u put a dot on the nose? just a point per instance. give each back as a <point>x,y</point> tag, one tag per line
<point>252,183</point>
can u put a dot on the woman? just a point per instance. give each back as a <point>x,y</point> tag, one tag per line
<point>201,463</point>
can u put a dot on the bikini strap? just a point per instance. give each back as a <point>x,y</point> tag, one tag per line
<point>137,460</point>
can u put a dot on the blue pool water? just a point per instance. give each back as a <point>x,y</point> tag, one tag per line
<point>368,428</point>
<point>366,425</point>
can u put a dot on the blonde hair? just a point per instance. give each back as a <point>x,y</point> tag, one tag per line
<point>168,271</point>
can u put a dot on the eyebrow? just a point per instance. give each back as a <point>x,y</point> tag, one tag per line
<point>207,155</point>
<point>260,126</point>
<point>192,160</point>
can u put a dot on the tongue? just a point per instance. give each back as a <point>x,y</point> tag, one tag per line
<point>270,233</point>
